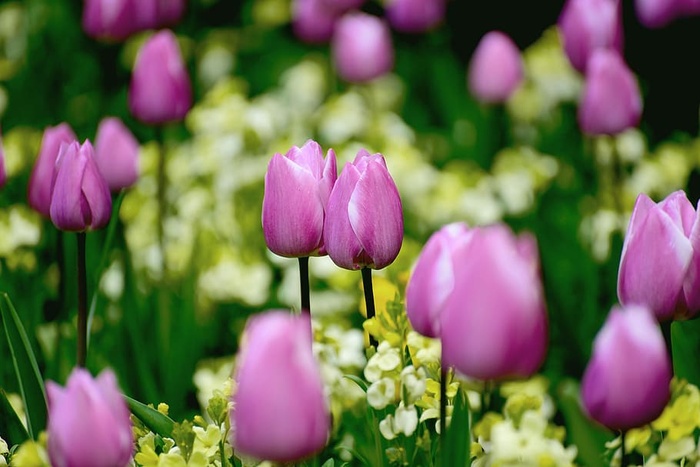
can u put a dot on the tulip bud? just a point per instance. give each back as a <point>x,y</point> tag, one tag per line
<point>496,68</point>
<point>160,90</point>
<point>39,188</point>
<point>116,154</point>
<point>88,422</point>
<point>313,21</point>
<point>415,15</point>
<point>297,188</point>
<point>611,101</point>
<point>656,13</point>
<point>364,221</point>
<point>361,47</point>
<point>494,323</point>
<point>80,198</point>
<point>170,12</point>
<point>279,409</point>
<point>341,6</point>
<point>432,280</point>
<point>113,20</point>
<point>626,383</point>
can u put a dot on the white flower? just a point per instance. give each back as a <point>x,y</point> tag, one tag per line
<point>413,383</point>
<point>404,421</point>
<point>381,393</point>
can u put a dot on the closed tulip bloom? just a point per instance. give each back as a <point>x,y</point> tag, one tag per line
<point>113,20</point>
<point>279,409</point>
<point>361,47</point>
<point>415,15</point>
<point>611,101</point>
<point>88,422</point>
<point>626,382</point>
<point>496,68</point>
<point>116,154</point>
<point>80,199</point>
<point>297,188</point>
<point>160,90</point>
<point>364,219</point>
<point>656,13</point>
<point>494,323</point>
<point>39,187</point>
<point>313,21</point>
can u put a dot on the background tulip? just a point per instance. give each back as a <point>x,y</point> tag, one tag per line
<point>496,68</point>
<point>415,15</point>
<point>116,154</point>
<point>279,409</point>
<point>361,47</point>
<point>109,19</point>
<point>313,21</point>
<point>626,382</point>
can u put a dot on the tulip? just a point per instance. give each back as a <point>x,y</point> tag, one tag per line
<point>364,221</point>
<point>313,21</point>
<point>494,323</point>
<point>341,6</point>
<point>116,154</point>
<point>496,68</point>
<point>415,15</point>
<point>432,280</point>
<point>113,20</point>
<point>88,422</point>
<point>39,188</point>
<point>656,13</point>
<point>611,101</point>
<point>80,198</point>
<point>279,409</point>
<point>626,382</point>
<point>588,25</point>
<point>160,90</point>
<point>361,47</point>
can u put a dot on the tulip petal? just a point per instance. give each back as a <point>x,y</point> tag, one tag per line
<point>68,205</point>
<point>339,237</point>
<point>691,286</point>
<point>309,156</point>
<point>680,210</point>
<point>95,191</point>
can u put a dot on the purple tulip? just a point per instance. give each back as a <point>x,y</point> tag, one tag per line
<point>415,15</point>
<point>89,422</point>
<point>160,90</point>
<point>361,47</point>
<point>113,20</point>
<point>626,382</point>
<point>432,280</point>
<point>341,6</point>
<point>364,221</point>
<point>494,323</point>
<point>496,68</point>
<point>656,13</point>
<point>116,154</point>
<point>279,409</point>
<point>80,198</point>
<point>39,188</point>
<point>611,101</point>
<point>313,21</point>
<point>297,188</point>
<point>588,25</point>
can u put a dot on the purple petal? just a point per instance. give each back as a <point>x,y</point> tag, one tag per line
<point>95,191</point>
<point>339,238</point>
<point>67,202</point>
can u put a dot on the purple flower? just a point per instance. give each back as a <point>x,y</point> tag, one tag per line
<point>656,13</point>
<point>496,68</point>
<point>341,6</point>
<point>313,21</point>
<point>361,47</point>
<point>113,20</point>
<point>116,154</point>
<point>415,15</point>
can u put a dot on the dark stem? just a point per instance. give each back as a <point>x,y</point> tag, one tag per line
<point>369,299</point>
<point>623,454</point>
<point>486,397</point>
<point>161,182</point>
<point>666,330</point>
<point>304,280</point>
<point>82,302</point>
<point>443,411</point>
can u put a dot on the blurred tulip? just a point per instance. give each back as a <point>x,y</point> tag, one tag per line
<point>89,422</point>
<point>415,15</point>
<point>494,323</point>
<point>297,188</point>
<point>341,6</point>
<point>361,47</point>
<point>113,20</point>
<point>313,21</point>
<point>279,409</point>
<point>364,221</point>
<point>116,154</point>
<point>656,13</point>
<point>80,198</point>
<point>169,12</point>
<point>39,187</point>
<point>626,383</point>
<point>611,101</point>
<point>432,280</point>
<point>160,90</point>
<point>588,25</point>
<point>496,68</point>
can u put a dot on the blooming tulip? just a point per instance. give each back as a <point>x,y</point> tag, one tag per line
<point>116,154</point>
<point>88,422</point>
<point>39,188</point>
<point>626,382</point>
<point>80,198</point>
<point>364,221</point>
<point>494,324</point>
<point>297,188</point>
<point>313,21</point>
<point>361,47</point>
<point>496,68</point>
<point>415,15</point>
<point>279,409</point>
<point>611,101</point>
<point>160,89</point>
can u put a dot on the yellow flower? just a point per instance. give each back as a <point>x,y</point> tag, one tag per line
<point>680,417</point>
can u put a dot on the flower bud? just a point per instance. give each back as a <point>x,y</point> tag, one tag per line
<point>626,383</point>
<point>313,21</point>
<point>297,188</point>
<point>112,20</point>
<point>116,154</point>
<point>279,409</point>
<point>91,410</point>
<point>364,220</point>
<point>361,47</point>
<point>160,90</point>
<point>496,68</point>
<point>611,101</point>
<point>80,198</point>
<point>656,13</point>
<point>415,15</point>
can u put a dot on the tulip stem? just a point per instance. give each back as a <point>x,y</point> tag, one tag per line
<point>304,280</point>
<point>82,302</point>
<point>666,331</point>
<point>443,412</point>
<point>623,454</point>
<point>369,299</point>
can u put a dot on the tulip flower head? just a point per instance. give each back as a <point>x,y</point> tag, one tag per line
<point>364,219</point>
<point>313,21</point>
<point>116,154</point>
<point>626,383</point>
<point>361,47</point>
<point>496,68</point>
<point>415,15</point>
<point>659,13</point>
<point>112,20</point>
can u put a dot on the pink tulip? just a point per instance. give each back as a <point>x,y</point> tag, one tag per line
<point>113,20</point>
<point>116,154</point>
<point>656,13</point>
<point>341,6</point>
<point>364,220</point>
<point>415,15</point>
<point>496,68</point>
<point>626,383</point>
<point>279,409</point>
<point>361,47</point>
<point>297,188</point>
<point>313,21</point>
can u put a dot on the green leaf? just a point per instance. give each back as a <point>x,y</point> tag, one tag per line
<point>31,385</point>
<point>359,381</point>
<point>155,421</point>
<point>329,463</point>
<point>686,344</point>
<point>456,446</point>
<point>13,432</point>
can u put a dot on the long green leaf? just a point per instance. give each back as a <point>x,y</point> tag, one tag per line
<point>154,420</point>
<point>11,427</point>
<point>456,447</point>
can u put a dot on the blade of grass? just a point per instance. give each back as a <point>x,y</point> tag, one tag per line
<point>155,421</point>
<point>455,451</point>
<point>11,427</point>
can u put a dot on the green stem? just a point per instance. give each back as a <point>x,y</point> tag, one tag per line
<point>369,299</point>
<point>82,302</point>
<point>304,280</point>
<point>623,454</point>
